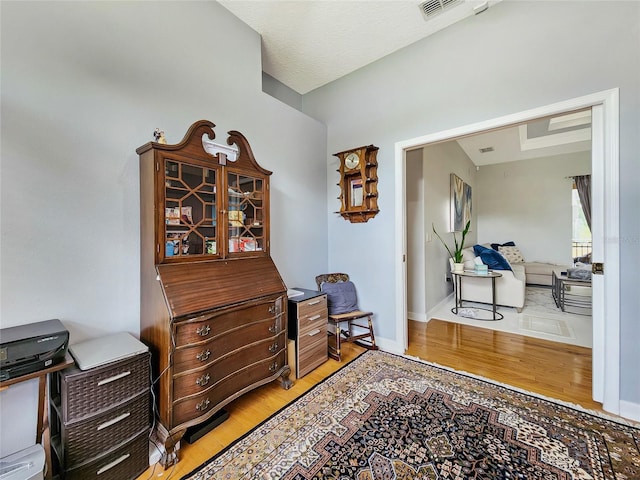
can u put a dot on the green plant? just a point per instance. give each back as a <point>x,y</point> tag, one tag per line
<point>456,255</point>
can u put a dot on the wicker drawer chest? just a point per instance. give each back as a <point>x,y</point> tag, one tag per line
<point>100,419</point>
<point>308,329</point>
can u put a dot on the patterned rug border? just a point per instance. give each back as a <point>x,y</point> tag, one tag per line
<point>573,406</point>
<point>277,412</point>
<point>567,405</point>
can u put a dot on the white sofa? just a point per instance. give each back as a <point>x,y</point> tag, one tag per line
<point>539,273</point>
<point>510,287</point>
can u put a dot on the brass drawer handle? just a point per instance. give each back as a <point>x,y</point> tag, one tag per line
<point>203,405</point>
<point>314,303</point>
<point>202,356</point>
<point>274,347</point>
<point>273,328</point>
<point>203,380</point>
<point>315,317</point>
<point>272,309</point>
<point>273,367</point>
<point>203,331</point>
<point>109,466</point>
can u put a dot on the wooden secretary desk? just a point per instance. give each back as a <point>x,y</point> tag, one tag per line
<point>213,305</point>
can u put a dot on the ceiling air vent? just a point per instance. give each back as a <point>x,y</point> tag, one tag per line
<point>431,8</point>
<point>486,150</point>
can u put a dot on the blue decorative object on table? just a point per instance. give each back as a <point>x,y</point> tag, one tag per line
<point>494,260</point>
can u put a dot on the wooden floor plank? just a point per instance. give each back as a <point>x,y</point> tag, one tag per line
<point>552,369</point>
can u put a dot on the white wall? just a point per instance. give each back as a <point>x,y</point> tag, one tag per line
<point>83,85</point>
<point>440,161</point>
<point>513,57</point>
<point>416,234</point>
<point>529,203</point>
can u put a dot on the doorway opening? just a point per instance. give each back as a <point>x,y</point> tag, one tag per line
<point>522,198</point>
<point>605,224</point>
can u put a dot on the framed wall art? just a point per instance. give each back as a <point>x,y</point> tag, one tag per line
<point>461,205</point>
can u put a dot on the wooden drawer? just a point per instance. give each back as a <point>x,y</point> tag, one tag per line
<point>308,325</point>
<point>88,439</point>
<point>87,393</point>
<point>197,381</point>
<point>127,462</point>
<point>312,313</point>
<point>231,387</point>
<point>313,355</point>
<point>212,325</point>
<point>311,336</point>
<point>194,356</point>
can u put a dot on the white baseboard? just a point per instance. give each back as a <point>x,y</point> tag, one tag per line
<point>424,317</point>
<point>417,317</point>
<point>630,410</point>
<point>390,346</point>
<point>440,304</point>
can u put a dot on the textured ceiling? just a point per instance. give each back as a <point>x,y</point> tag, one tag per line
<point>309,43</point>
<point>520,143</point>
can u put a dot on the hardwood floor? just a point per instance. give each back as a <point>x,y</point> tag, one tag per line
<point>555,370</point>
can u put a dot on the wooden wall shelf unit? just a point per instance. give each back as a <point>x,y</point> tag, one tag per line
<point>213,305</point>
<point>358,183</point>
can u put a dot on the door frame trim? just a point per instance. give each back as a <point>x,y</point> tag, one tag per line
<point>605,161</point>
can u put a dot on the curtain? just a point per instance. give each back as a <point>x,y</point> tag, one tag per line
<point>583,185</point>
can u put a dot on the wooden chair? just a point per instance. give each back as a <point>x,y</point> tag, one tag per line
<point>357,331</point>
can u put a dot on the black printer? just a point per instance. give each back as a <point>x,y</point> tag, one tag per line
<point>28,348</point>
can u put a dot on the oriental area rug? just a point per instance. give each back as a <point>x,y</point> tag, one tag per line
<point>384,417</point>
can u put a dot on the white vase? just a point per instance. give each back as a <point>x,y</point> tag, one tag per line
<point>458,267</point>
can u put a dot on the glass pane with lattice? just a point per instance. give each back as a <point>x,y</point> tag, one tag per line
<point>245,215</point>
<point>190,209</point>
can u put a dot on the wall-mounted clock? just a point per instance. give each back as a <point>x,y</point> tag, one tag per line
<point>358,183</point>
<point>352,160</point>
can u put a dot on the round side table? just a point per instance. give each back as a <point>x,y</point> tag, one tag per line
<point>457,288</point>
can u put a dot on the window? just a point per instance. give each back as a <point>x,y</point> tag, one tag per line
<point>581,236</point>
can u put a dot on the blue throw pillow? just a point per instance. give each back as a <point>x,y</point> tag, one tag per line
<point>496,246</point>
<point>494,260</point>
<point>341,297</point>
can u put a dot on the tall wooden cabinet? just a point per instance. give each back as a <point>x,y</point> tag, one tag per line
<point>213,305</point>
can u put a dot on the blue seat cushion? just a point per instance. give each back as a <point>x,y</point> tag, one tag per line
<point>492,259</point>
<point>341,297</point>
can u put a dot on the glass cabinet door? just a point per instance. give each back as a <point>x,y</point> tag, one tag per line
<point>190,210</point>
<point>245,213</point>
